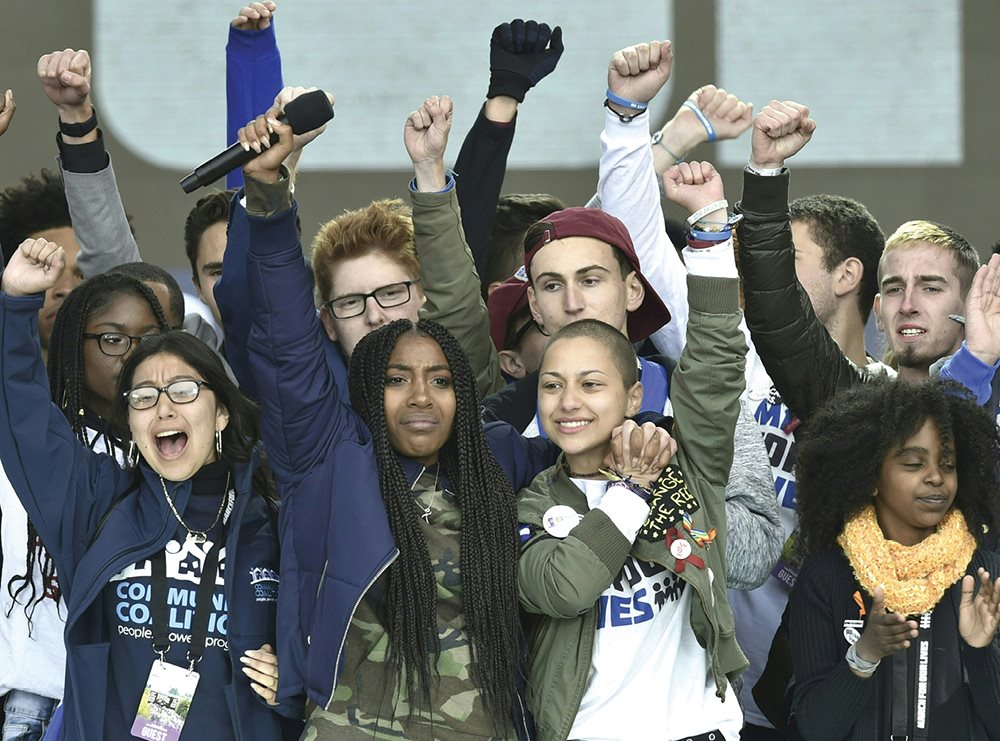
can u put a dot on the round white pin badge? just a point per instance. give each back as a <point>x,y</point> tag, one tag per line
<point>680,549</point>
<point>559,520</point>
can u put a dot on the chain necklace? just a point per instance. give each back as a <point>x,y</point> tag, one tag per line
<point>199,536</point>
<point>425,515</point>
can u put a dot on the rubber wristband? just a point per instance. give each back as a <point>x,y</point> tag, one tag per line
<point>706,210</point>
<point>79,129</point>
<point>720,236</point>
<point>701,117</point>
<point>658,139</point>
<point>625,102</point>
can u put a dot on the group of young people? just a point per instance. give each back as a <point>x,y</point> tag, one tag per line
<point>494,467</point>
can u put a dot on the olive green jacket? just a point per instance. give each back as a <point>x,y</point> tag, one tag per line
<point>561,579</point>
<point>451,284</point>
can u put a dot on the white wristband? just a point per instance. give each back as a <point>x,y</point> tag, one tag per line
<point>706,210</point>
<point>858,664</point>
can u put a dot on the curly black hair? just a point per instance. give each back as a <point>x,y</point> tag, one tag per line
<point>488,541</point>
<point>840,455</point>
<point>33,205</point>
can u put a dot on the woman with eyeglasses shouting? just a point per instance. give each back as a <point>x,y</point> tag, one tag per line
<point>169,567</point>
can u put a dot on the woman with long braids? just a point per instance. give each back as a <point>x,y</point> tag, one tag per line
<point>398,613</point>
<point>82,373</point>
<point>893,618</point>
<point>150,557</point>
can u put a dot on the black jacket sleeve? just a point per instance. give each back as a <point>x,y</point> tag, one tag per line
<point>801,357</point>
<point>480,169</point>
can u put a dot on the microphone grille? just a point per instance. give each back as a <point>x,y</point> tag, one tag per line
<point>308,111</point>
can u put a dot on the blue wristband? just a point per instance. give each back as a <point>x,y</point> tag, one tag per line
<point>701,117</point>
<point>625,102</point>
<point>720,236</point>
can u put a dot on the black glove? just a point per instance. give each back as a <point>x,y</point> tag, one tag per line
<point>519,59</point>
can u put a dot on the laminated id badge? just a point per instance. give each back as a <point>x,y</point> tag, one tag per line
<point>165,702</point>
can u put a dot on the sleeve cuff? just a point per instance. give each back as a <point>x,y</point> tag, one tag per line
<point>449,183</point>
<point>715,261</point>
<point>83,158</point>
<point>971,372</point>
<point>637,129</point>
<point>627,511</point>
<point>268,199</point>
<point>27,304</point>
<point>763,195</point>
<point>252,44</point>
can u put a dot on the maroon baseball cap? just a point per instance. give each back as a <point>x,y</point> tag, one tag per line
<point>507,299</point>
<point>593,222</point>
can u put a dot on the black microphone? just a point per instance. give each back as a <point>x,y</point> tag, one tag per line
<point>307,112</point>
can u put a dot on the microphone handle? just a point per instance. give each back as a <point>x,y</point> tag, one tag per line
<point>221,164</point>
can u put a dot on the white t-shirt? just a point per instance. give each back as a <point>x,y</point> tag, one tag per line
<point>35,663</point>
<point>649,678</point>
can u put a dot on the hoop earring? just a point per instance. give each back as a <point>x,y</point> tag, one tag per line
<point>132,457</point>
<point>218,444</point>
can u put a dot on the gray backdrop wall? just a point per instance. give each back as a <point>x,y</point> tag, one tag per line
<point>963,196</point>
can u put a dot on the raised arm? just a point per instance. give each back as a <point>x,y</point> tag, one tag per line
<point>95,205</point>
<point>521,54</point>
<point>628,187</point>
<point>253,70</point>
<point>976,362</point>
<point>447,272</point>
<point>302,408</point>
<point>64,486</point>
<point>805,363</point>
<point>754,531</point>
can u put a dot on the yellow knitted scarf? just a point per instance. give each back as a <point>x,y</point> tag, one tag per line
<point>914,577</point>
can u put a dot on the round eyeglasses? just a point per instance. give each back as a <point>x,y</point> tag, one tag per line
<point>353,304</point>
<point>179,392</point>
<point>115,344</point>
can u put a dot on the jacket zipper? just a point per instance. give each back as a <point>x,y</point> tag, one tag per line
<point>343,640</point>
<point>319,590</point>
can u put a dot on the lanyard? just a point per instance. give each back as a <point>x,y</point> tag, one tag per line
<point>203,608</point>
<point>917,708</point>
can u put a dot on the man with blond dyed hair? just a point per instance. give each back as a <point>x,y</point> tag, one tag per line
<point>924,276</point>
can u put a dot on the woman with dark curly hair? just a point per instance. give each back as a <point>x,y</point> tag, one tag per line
<point>893,619</point>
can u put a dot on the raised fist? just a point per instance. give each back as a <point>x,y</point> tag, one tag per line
<point>287,94</point>
<point>779,131</point>
<point>7,109</point>
<point>33,268</point>
<point>426,131</point>
<point>728,115</point>
<point>255,16</point>
<point>65,77</point>
<point>638,72</point>
<point>694,185</point>
<point>521,54</point>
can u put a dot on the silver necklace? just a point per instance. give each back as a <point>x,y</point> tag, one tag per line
<point>200,536</point>
<point>426,511</point>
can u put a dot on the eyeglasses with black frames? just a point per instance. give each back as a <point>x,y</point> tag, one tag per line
<point>115,344</point>
<point>179,392</point>
<point>353,304</point>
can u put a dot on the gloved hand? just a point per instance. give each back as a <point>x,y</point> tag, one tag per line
<point>519,58</point>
